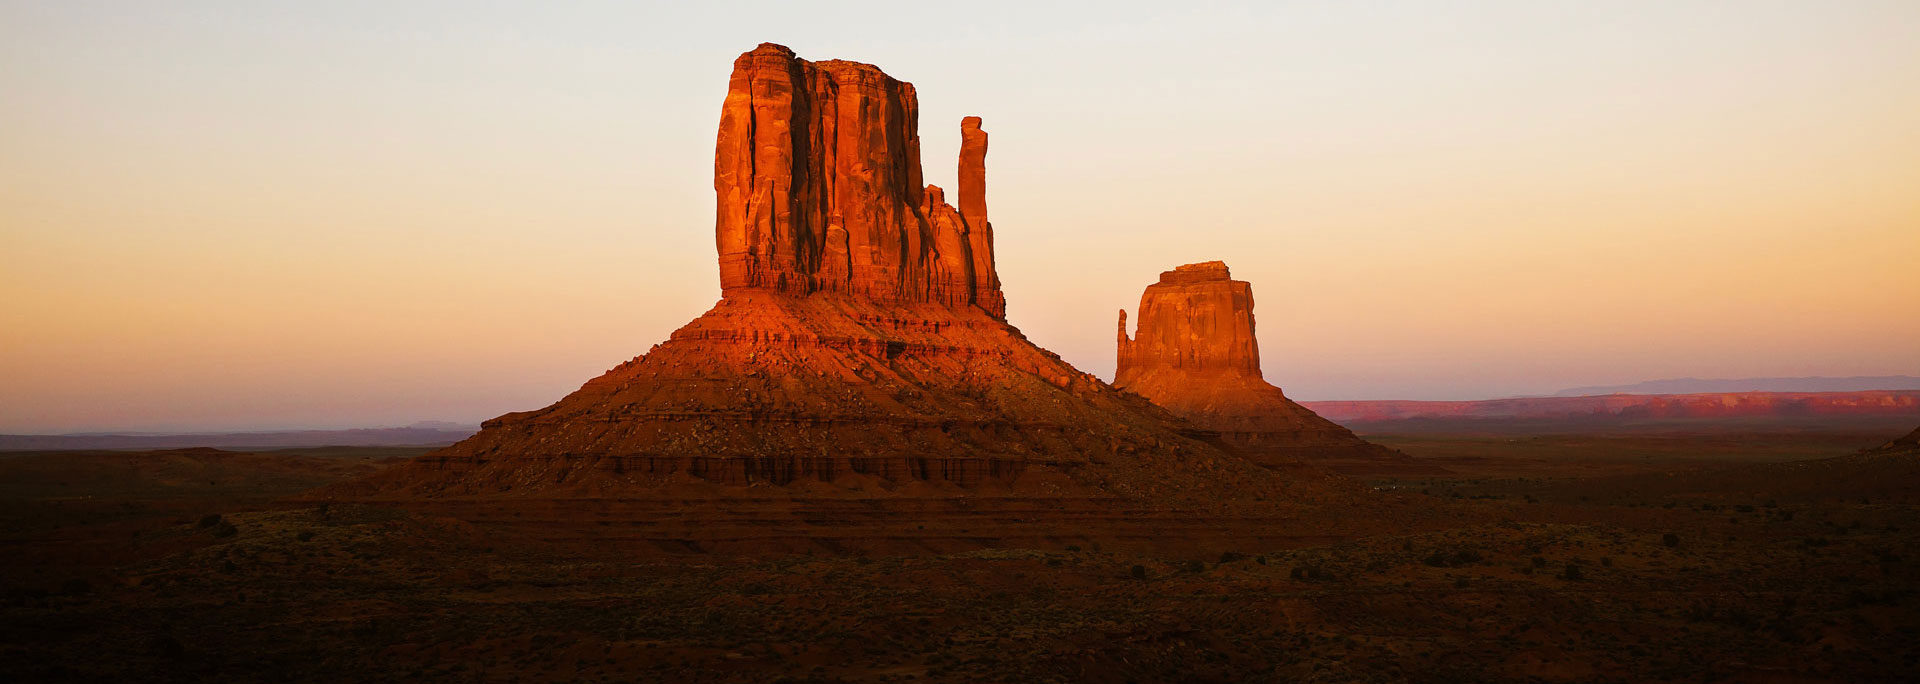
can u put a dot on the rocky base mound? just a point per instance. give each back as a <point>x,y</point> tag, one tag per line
<point>830,395</point>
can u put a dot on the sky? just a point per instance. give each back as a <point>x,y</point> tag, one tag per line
<point>257,215</point>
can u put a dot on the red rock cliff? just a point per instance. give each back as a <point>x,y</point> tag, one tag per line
<point>1197,320</point>
<point>818,182</point>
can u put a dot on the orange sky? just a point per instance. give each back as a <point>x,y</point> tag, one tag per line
<point>241,215</point>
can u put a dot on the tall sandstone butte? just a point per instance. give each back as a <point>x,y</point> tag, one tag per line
<point>859,348</point>
<point>1195,354</point>
<point>818,182</point>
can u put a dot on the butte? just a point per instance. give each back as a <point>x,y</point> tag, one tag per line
<point>857,380</point>
<point>1194,353</point>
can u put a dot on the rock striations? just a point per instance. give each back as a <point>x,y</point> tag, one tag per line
<point>859,350</point>
<point>1194,353</point>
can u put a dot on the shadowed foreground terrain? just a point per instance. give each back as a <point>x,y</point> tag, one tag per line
<point>1688,559</point>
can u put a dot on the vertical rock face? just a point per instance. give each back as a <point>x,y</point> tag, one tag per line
<point>819,188</point>
<point>1197,321</point>
<point>1195,354</point>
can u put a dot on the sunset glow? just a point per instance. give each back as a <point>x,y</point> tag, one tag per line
<point>335,215</point>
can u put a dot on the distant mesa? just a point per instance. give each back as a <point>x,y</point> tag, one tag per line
<point>1898,405</point>
<point>424,434</point>
<point>1195,354</point>
<point>1860,383</point>
<point>859,344</point>
<point>1731,412</point>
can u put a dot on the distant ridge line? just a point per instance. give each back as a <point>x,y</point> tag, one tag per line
<point>1857,383</point>
<point>362,437</point>
<point>1726,409</point>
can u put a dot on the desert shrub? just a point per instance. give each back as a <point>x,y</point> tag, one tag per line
<point>210,520</point>
<point>1572,573</point>
<point>1606,561</point>
<point>1670,539</point>
<point>1539,561</point>
<point>225,529</point>
<point>304,535</point>
<point>1193,566</point>
<point>1073,548</point>
<point>1138,572</point>
<point>1230,557</point>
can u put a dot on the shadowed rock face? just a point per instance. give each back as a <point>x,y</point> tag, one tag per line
<point>818,182</point>
<point>859,346</point>
<point>1195,354</point>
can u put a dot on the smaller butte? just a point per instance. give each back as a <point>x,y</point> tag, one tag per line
<point>1194,353</point>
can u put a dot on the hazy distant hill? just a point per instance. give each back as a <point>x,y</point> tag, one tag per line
<point>1714,411</point>
<point>1861,383</point>
<point>434,434</point>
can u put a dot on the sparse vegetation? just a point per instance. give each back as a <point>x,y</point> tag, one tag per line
<point>1509,582</point>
